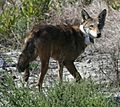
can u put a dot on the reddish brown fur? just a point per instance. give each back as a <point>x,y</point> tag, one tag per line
<point>64,43</point>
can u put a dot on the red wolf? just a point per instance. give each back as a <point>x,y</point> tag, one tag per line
<point>64,43</point>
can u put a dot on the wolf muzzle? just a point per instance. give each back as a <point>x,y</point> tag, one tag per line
<point>98,35</point>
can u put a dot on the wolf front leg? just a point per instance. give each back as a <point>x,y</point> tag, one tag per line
<point>72,69</point>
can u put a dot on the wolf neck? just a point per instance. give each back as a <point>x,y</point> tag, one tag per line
<point>86,36</point>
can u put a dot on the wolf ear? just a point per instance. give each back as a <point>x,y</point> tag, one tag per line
<point>85,15</point>
<point>101,19</point>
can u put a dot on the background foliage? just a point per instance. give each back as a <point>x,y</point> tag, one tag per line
<point>17,18</point>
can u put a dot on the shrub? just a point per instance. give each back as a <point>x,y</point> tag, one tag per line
<point>85,94</point>
<point>16,19</point>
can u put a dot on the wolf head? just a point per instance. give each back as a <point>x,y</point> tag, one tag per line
<point>92,27</point>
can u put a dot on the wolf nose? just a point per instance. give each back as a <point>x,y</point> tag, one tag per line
<point>98,35</point>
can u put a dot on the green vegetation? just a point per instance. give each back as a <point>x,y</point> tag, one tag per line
<point>85,94</point>
<point>15,20</point>
<point>115,4</point>
<point>87,2</point>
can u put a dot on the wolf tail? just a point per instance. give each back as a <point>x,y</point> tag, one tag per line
<point>30,49</point>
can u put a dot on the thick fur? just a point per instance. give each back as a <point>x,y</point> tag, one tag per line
<point>64,43</point>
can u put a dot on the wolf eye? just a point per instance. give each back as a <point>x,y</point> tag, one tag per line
<point>91,26</point>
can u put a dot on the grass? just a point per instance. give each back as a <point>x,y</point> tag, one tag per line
<point>85,94</point>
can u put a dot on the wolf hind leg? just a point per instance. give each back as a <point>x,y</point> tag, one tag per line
<point>44,68</point>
